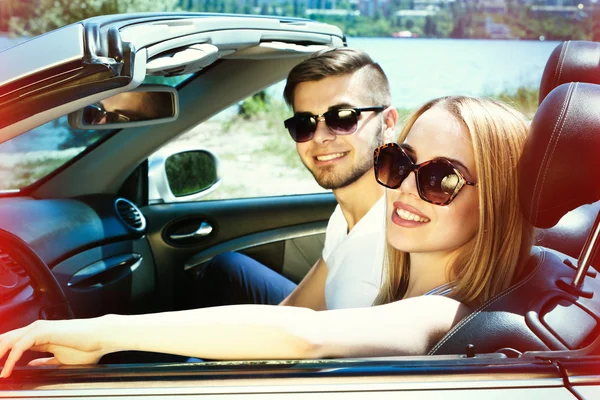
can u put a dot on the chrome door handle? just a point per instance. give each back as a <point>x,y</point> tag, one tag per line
<point>203,230</point>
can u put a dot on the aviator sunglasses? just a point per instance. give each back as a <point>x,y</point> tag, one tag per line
<point>438,181</point>
<point>340,121</point>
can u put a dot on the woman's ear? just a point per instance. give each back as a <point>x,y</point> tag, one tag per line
<point>390,118</point>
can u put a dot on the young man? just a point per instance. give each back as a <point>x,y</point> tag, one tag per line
<point>342,112</point>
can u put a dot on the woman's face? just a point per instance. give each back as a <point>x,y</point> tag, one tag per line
<point>416,226</point>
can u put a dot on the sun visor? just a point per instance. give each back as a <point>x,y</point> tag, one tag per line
<point>183,61</point>
<point>277,49</point>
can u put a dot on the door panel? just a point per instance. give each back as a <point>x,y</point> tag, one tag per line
<point>285,233</point>
<point>300,254</point>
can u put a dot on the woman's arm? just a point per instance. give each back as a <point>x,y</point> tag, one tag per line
<point>409,326</point>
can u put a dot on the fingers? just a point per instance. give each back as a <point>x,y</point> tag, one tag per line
<point>8,338</point>
<point>17,351</point>
<point>17,342</point>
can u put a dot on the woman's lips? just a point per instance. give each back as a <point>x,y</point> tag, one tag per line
<point>407,216</point>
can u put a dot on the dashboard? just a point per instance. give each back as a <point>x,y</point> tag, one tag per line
<point>94,246</point>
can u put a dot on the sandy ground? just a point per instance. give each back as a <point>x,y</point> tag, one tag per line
<point>247,168</point>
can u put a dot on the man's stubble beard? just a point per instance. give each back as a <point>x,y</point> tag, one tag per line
<point>328,179</point>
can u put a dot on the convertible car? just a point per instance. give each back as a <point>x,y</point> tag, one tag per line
<point>99,214</point>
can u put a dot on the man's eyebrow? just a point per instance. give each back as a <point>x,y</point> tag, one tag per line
<point>333,107</point>
<point>340,105</point>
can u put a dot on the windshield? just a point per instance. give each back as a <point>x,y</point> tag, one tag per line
<point>31,156</point>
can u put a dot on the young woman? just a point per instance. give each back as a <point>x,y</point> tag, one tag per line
<point>456,238</point>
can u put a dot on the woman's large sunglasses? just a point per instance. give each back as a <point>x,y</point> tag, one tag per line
<point>438,181</point>
<point>341,121</point>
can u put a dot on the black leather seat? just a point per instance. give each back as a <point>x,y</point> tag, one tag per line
<point>571,61</point>
<point>559,172</point>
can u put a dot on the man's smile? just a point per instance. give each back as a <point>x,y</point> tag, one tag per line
<point>330,157</point>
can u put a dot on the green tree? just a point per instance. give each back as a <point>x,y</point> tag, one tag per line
<point>254,105</point>
<point>45,15</point>
<point>299,8</point>
<point>430,27</point>
<point>288,9</point>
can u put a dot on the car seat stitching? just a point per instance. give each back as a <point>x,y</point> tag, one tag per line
<point>562,125</point>
<point>537,195</point>
<point>488,303</point>
<point>560,64</point>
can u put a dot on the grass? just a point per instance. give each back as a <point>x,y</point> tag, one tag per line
<point>283,150</point>
<point>524,99</point>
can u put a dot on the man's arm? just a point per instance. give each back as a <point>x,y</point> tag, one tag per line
<point>310,293</point>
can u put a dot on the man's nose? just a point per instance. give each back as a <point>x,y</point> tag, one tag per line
<point>322,132</point>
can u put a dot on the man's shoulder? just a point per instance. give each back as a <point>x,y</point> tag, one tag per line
<point>374,219</point>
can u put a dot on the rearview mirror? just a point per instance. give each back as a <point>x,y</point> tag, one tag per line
<point>145,105</point>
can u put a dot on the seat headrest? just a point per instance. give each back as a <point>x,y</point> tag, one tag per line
<point>559,169</point>
<point>572,61</point>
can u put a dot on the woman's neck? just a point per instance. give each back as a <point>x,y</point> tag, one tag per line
<point>427,271</point>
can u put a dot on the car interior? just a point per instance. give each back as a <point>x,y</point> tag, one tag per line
<point>555,305</point>
<point>79,243</point>
<point>111,241</point>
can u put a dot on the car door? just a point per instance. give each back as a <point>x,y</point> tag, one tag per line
<point>265,204</point>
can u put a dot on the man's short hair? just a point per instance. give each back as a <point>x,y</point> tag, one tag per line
<point>338,62</point>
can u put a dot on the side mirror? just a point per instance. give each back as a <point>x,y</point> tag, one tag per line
<point>145,105</point>
<point>182,175</point>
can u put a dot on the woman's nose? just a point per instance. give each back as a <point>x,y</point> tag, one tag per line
<point>409,184</point>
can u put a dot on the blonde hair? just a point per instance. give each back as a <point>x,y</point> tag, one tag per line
<point>490,262</point>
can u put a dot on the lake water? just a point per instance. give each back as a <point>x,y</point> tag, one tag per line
<point>422,69</point>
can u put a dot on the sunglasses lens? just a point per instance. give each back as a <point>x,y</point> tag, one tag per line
<point>301,127</point>
<point>342,122</point>
<point>92,114</point>
<point>392,166</point>
<point>438,182</point>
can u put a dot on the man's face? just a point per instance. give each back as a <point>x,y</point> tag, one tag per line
<point>338,161</point>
